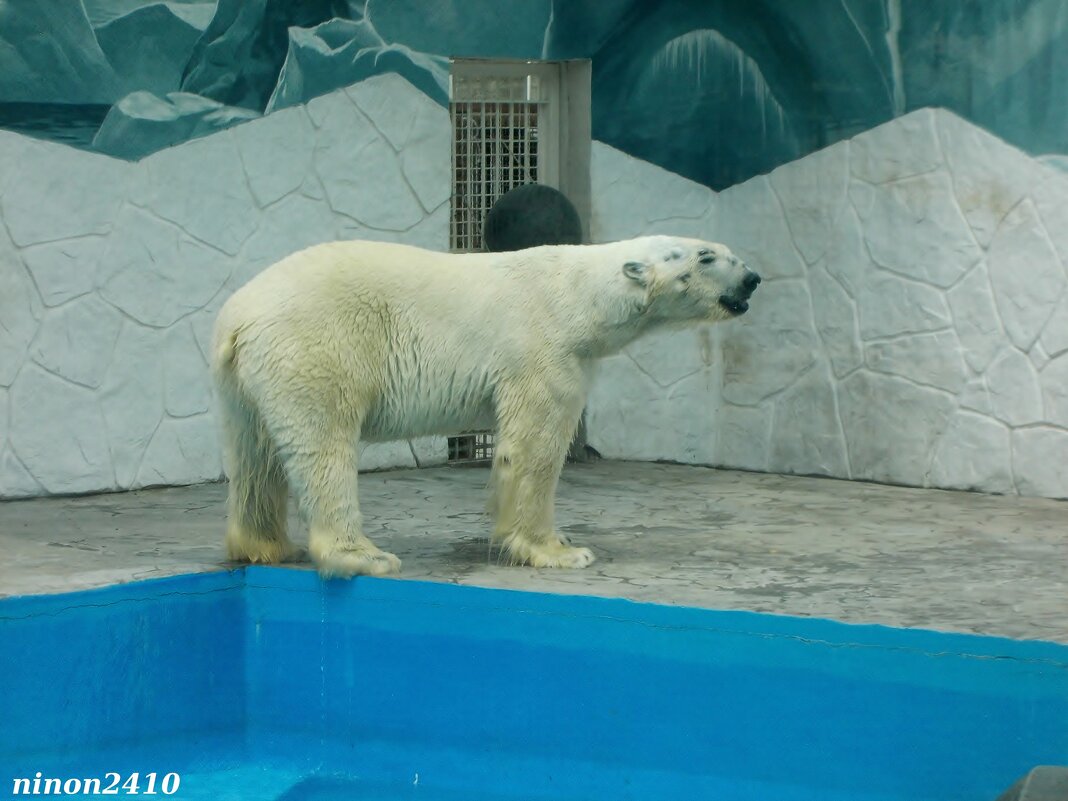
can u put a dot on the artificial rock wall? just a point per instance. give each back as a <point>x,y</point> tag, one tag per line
<point>111,274</point>
<point>912,327</point>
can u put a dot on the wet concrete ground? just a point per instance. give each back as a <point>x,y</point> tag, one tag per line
<point>669,534</point>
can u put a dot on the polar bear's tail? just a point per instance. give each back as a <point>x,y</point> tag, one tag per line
<point>256,529</point>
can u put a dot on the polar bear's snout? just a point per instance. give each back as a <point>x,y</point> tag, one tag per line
<point>737,300</point>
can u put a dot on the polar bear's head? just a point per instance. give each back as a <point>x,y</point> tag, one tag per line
<point>688,280</point>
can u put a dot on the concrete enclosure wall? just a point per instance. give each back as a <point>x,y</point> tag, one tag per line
<point>111,274</point>
<point>913,327</point>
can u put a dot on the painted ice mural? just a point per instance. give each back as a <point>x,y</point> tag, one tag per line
<point>715,90</point>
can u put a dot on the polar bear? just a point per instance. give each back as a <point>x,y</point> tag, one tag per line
<point>369,340</point>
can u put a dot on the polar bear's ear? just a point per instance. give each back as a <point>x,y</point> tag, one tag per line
<point>638,271</point>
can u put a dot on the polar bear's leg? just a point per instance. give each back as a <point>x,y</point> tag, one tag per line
<point>535,428</point>
<point>256,525</point>
<point>322,468</point>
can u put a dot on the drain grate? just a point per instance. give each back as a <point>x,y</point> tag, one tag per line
<point>473,448</point>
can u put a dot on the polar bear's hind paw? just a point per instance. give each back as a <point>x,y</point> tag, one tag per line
<point>242,548</point>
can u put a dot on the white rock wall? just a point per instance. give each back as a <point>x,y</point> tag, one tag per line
<point>111,274</point>
<point>912,328</point>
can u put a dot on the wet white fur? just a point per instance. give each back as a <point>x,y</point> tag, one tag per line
<point>352,340</point>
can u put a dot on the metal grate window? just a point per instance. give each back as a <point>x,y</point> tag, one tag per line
<point>495,125</point>
<point>471,448</point>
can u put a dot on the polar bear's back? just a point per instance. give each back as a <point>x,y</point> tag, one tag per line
<point>421,337</point>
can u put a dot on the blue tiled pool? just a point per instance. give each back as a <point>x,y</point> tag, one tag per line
<point>269,684</point>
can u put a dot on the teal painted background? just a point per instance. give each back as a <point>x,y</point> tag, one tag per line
<point>715,90</point>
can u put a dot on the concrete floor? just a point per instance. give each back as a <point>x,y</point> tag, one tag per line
<point>662,533</point>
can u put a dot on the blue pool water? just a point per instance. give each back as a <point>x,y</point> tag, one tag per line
<point>270,684</point>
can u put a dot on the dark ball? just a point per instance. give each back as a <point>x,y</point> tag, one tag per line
<point>529,216</point>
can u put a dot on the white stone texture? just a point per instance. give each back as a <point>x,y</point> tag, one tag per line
<point>932,359</point>
<point>1054,382</point>
<point>764,352</point>
<point>1015,397</point>
<point>188,447</point>
<point>1040,461</point>
<point>975,318</point>
<point>1054,338</point>
<point>155,272</point>
<point>812,190</point>
<point>763,239</point>
<point>669,356</point>
<point>12,146</point>
<point>384,455</point>
<point>428,176</point>
<point>1050,196</point>
<point>806,436</point>
<point>989,176</point>
<point>353,162</point>
<point>18,313</point>
<point>356,176</point>
<point>1039,358</point>
<point>203,320</point>
<point>1027,276</point>
<point>624,400</point>
<point>836,321</point>
<point>885,344</point>
<point>66,269</point>
<point>973,453</point>
<point>431,232</point>
<point>291,224</point>
<point>976,396</point>
<point>76,340</point>
<point>940,249</point>
<point>393,117</point>
<point>890,305</point>
<point>430,451</point>
<point>131,399</point>
<point>891,426</point>
<point>632,198</point>
<point>415,130</point>
<point>187,385</point>
<point>930,320</point>
<point>56,192</point>
<point>846,257</point>
<point>271,178</point>
<point>201,187</point>
<point>15,479</point>
<point>112,273</point>
<point>616,407</point>
<point>892,152</point>
<point>743,436</point>
<point>58,433</point>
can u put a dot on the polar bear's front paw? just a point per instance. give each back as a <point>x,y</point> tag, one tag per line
<point>356,561</point>
<point>262,551</point>
<point>548,554</point>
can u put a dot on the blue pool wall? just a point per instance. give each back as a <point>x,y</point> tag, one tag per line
<point>128,663</point>
<point>401,677</point>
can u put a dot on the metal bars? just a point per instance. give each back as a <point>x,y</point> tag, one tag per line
<point>495,148</point>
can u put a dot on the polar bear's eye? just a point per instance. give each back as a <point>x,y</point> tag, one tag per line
<point>706,256</point>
